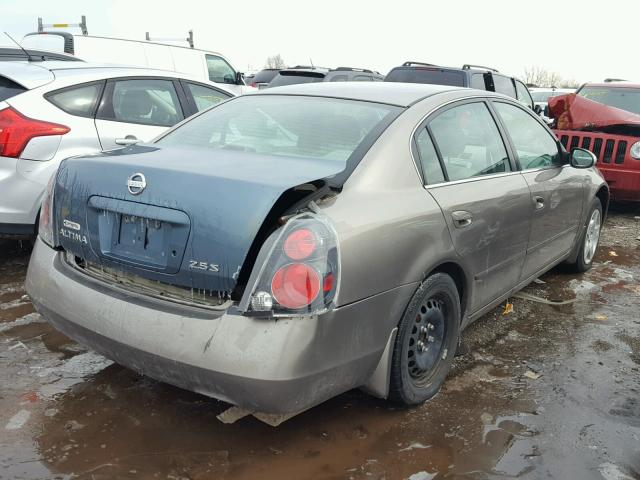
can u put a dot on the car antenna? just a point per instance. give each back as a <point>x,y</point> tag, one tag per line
<point>311,63</point>
<point>20,47</point>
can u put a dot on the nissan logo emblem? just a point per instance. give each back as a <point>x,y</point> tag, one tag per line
<point>136,184</point>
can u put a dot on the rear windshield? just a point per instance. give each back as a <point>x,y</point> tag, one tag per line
<point>330,129</point>
<point>264,76</point>
<point>429,75</point>
<point>9,88</point>
<point>624,98</point>
<point>293,78</point>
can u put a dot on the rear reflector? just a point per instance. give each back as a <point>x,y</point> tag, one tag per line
<point>16,130</point>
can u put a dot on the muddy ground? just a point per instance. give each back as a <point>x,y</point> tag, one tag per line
<point>545,392</point>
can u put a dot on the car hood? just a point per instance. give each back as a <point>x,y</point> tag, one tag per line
<point>573,112</point>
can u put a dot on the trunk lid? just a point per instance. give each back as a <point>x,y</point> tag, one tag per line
<point>188,220</point>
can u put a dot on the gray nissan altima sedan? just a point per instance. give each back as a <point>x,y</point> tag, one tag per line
<point>284,247</point>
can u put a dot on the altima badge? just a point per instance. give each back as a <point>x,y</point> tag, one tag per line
<point>136,184</point>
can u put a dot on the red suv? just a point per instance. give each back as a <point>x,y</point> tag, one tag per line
<point>604,118</point>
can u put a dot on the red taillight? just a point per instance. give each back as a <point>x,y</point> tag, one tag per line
<point>16,130</point>
<point>295,285</point>
<point>300,244</point>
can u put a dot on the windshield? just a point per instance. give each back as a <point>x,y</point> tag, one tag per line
<point>293,78</point>
<point>264,76</point>
<point>433,76</point>
<point>622,97</point>
<point>293,126</point>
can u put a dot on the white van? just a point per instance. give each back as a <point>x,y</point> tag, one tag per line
<point>203,64</point>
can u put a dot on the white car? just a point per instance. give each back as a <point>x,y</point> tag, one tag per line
<point>202,64</point>
<point>53,110</point>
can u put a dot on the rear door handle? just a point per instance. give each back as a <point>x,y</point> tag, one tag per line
<point>461,218</point>
<point>128,140</point>
<point>538,202</point>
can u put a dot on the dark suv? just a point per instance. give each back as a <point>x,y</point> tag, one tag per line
<point>471,76</point>
<point>307,74</point>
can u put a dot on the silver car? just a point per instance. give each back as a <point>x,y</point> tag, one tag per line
<point>52,110</point>
<point>285,247</point>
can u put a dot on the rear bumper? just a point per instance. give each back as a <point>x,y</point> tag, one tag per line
<point>20,197</point>
<point>16,230</point>
<point>283,366</point>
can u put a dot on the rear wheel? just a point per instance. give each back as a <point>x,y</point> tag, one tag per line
<point>426,341</point>
<point>590,238</point>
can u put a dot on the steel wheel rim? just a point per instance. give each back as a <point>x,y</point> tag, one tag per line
<point>592,237</point>
<point>426,340</point>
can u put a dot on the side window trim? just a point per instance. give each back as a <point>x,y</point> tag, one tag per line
<point>107,96</point>
<point>512,148</point>
<point>438,153</point>
<point>420,164</point>
<point>94,109</point>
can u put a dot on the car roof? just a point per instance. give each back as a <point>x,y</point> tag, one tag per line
<point>623,84</point>
<point>34,74</point>
<point>392,93</point>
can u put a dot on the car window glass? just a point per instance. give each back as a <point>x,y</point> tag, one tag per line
<point>362,78</point>
<point>79,101</point>
<point>504,85</point>
<point>430,75</point>
<point>534,146</point>
<point>219,70</point>
<point>477,81</point>
<point>469,142</point>
<point>429,158</point>
<point>206,97</point>
<point>338,78</point>
<point>307,128</point>
<point>524,97</point>
<point>9,88</point>
<point>149,102</point>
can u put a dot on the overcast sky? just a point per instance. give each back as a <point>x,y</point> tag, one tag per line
<point>577,39</point>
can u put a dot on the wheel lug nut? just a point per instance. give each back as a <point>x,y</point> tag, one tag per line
<point>423,329</point>
<point>430,339</point>
<point>431,326</point>
<point>420,346</point>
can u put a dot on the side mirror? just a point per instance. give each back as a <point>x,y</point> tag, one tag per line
<point>537,109</point>
<point>239,78</point>
<point>582,158</point>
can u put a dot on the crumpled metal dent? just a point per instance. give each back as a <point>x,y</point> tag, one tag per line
<point>573,112</point>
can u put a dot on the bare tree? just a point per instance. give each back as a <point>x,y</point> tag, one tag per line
<point>275,61</point>
<point>540,77</point>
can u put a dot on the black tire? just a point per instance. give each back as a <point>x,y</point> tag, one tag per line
<point>417,373</point>
<point>584,259</point>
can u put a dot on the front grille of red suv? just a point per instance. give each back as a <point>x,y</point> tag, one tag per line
<point>615,147</point>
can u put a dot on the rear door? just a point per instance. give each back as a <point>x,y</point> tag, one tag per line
<point>485,201</point>
<point>137,109</point>
<point>556,188</point>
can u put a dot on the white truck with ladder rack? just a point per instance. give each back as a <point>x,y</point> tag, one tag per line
<point>204,64</point>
